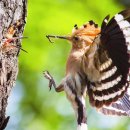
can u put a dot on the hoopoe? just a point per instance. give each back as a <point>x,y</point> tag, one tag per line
<point>98,65</point>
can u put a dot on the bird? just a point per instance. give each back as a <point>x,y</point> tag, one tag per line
<point>98,67</point>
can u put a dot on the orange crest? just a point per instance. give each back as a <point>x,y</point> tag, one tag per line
<point>88,31</point>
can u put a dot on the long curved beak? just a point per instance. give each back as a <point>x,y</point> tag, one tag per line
<point>58,37</point>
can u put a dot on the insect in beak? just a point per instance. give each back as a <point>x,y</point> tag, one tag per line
<point>58,37</point>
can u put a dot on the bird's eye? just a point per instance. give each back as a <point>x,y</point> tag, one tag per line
<point>76,38</point>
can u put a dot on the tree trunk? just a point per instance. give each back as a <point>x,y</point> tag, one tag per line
<point>12,21</point>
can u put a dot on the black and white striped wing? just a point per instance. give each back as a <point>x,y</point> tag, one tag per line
<point>120,107</point>
<point>114,57</point>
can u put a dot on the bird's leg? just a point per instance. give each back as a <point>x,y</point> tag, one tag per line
<point>81,113</point>
<point>52,82</point>
<point>78,104</point>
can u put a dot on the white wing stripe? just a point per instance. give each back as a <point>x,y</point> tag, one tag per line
<point>107,97</point>
<point>119,17</point>
<point>108,73</point>
<point>127,39</point>
<point>111,111</point>
<point>128,47</point>
<point>112,108</point>
<point>108,85</point>
<point>126,32</point>
<point>124,24</point>
<point>105,65</point>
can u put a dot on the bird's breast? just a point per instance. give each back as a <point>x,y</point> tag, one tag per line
<point>74,62</point>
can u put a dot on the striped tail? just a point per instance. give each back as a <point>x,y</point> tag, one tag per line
<point>119,108</point>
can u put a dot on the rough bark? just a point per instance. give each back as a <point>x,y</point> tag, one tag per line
<point>11,11</point>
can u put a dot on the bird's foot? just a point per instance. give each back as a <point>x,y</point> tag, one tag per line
<point>50,78</point>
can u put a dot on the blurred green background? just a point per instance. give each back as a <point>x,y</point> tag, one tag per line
<point>31,105</point>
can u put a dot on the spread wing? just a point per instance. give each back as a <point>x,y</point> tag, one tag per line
<point>112,60</point>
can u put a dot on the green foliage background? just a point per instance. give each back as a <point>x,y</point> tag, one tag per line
<point>31,105</point>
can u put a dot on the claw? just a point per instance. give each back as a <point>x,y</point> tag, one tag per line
<point>50,78</point>
<point>49,39</point>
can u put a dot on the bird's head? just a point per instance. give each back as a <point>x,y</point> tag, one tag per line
<point>82,36</point>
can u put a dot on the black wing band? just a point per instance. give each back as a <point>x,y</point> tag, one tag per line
<point>115,37</point>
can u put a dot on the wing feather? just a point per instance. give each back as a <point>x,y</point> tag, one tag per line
<point>112,82</point>
<point>119,108</point>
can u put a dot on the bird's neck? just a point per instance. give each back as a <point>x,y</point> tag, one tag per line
<point>74,60</point>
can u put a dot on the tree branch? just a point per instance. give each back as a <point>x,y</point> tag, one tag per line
<point>12,21</point>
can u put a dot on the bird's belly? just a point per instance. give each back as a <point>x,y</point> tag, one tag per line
<point>76,82</point>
